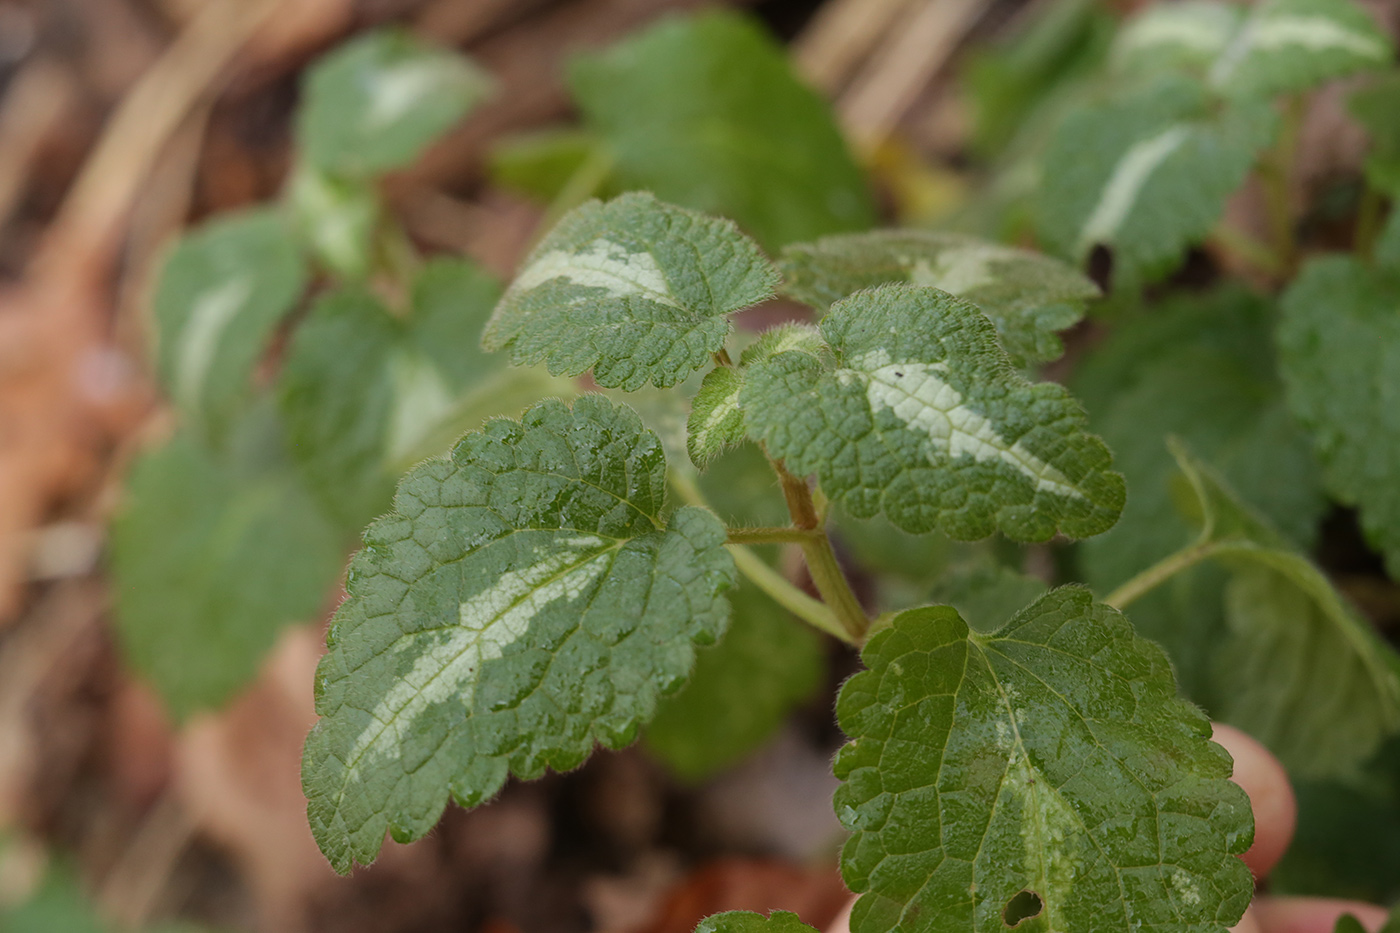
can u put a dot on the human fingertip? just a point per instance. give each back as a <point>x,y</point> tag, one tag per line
<point>842,923</point>
<point>1248,923</point>
<point>1270,796</point>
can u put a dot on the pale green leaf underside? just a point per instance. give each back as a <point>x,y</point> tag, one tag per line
<point>715,421</point>
<point>1339,350</point>
<point>221,292</point>
<point>633,288</point>
<point>376,102</point>
<point>212,557</point>
<point>923,419</point>
<point>1027,296</point>
<point>1052,757</point>
<point>1147,175</point>
<point>337,218</point>
<point>1307,675</point>
<point>1280,46</point>
<point>743,921</point>
<point>521,603</point>
<point>741,690</point>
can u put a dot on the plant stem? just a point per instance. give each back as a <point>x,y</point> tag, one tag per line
<point>1247,249</point>
<point>1160,573</point>
<point>781,590</point>
<point>834,588</point>
<point>771,535</point>
<point>581,185</point>
<point>799,498</point>
<point>812,611</point>
<point>826,572</point>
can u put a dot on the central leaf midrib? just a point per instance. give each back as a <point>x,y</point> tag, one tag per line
<point>1046,896</point>
<point>352,766</point>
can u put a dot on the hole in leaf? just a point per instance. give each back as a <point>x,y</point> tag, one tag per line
<point>1023,906</point>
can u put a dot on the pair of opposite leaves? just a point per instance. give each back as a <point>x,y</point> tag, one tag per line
<point>530,596</point>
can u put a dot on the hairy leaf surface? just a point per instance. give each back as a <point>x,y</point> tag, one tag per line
<point>213,555</point>
<point>741,690</point>
<point>1303,672</point>
<point>521,603</point>
<point>743,921</point>
<point>1339,351</point>
<point>634,288</point>
<point>361,388</point>
<point>923,419</point>
<point>1028,296</point>
<point>221,292</point>
<point>706,112</point>
<point>1147,174</point>
<point>715,422</point>
<point>1052,757</point>
<point>378,101</point>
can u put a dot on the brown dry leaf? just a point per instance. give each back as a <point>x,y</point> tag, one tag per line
<point>239,775</point>
<point>817,895</point>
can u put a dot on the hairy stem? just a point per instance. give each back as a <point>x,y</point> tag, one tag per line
<point>812,611</point>
<point>780,589</point>
<point>1160,572</point>
<point>826,573</point>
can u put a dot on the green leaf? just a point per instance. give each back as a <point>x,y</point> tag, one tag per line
<point>1050,48</point>
<point>337,219</point>
<point>222,290</point>
<point>1187,36</point>
<point>1302,672</point>
<point>716,423</point>
<point>1200,368</point>
<point>1347,837</point>
<point>741,690</point>
<point>213,556</point>
<point>1287,46</point>
<point>743,921</point>
<point>1028,296</point>
<point>540,164</point>
<point>376,102</point>
<point>362,389</point>
<point>1339,350</point>
<point>1147,174</point>
<point>1051,759</point>
<point>635,289</point>
<point>924,420</point>
<point>1277,47</point>
<point>522,601</point>
<point>706,112</point>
